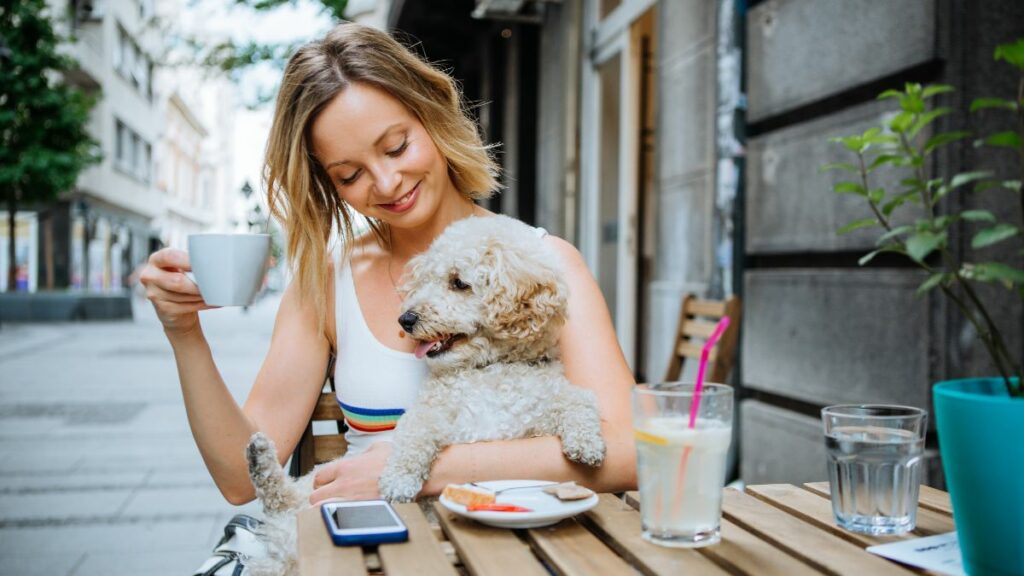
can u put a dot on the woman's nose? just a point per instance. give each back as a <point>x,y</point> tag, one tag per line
<point>387,181</point>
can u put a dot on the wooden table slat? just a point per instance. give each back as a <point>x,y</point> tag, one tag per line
<point>487,550</point>
<point>421,554</point>
<point>571,550</point>
<point>930,498</point>
<point>817,547</point>
<point>619,525</point>
<point>929,522</point>
<point>745,553</point>
<point>318,556</point>
<point>812,508</point>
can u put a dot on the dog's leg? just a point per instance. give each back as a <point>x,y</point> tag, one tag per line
<point>419,436</point>
<point>574,418</point>
<point>275,490</point>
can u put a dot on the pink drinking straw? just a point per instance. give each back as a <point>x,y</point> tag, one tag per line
<point>705,352</point>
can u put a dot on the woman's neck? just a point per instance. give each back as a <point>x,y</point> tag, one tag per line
<point>406,243</point>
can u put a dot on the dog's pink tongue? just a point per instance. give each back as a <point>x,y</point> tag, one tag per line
<point>421,349</point>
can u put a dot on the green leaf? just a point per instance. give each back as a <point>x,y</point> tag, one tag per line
<point>921,244</point>
<point>849,188</point>
<point>988,271</point>
<point>933,281</point>
<point>846,166</point>
<point>857,225</point>
<point>982,103</point>
<point>936,89</point>
<point>890,94</point>
<point>881,159</point>
<point>871,255</point>
<point>898,231</point>
<point>978,216</point>
<point>1006,139</point>
<point>943,138</point>
<point>927,118</point>
<point>852,143</point>
<point>1012,185</point>
<point>1012,53</point>
<point>968,177</point>
<point>876,195</point>
<point>993,235</point>
<point>901,122</point>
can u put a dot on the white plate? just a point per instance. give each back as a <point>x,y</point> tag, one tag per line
<point>546,509</point>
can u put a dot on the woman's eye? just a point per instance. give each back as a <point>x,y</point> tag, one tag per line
<point>458,284</point>
<point>349,179</point>
<point>398,151</point>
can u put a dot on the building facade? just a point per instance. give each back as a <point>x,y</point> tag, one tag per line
<point>167,142</point>
<point>677,143</point>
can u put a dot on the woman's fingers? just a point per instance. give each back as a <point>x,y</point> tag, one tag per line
<point>325,475</point>
<point>155,292</point>
<point>170,258</point>
<point>169,281</point>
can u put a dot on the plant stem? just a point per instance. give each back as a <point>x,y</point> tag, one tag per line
<point>864,182</point>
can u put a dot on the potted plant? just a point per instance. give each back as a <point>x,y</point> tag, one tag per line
<point>980,420</point>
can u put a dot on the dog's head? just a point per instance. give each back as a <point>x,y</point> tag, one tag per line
<point>487,290</point>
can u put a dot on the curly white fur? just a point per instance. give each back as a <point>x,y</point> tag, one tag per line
<point>497,285</point>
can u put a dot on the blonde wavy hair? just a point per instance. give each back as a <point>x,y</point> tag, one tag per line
<point>301,195</point>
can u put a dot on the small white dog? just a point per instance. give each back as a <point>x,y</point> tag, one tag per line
<point>486,303</point>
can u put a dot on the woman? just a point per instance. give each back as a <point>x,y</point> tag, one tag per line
<point>362,124</point>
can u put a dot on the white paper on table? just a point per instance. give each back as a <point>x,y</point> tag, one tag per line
<point>940,553</point>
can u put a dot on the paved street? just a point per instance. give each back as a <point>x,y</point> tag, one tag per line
<point>98,471</point>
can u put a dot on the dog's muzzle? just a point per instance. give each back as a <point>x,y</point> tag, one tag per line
<point>407,320</point>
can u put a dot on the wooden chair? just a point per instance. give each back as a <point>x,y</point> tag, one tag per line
<point>316,449</point>
<point>697,319</point>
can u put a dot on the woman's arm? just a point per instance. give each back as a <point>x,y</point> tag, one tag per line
<point>592,359</point>
<point>281,400</point>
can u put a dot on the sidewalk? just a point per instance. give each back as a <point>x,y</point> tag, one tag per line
<point>98,471</point>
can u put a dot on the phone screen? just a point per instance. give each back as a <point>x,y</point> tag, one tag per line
<point>361,517</point>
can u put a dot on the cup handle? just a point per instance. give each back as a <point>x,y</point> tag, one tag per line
<point>191,278</point>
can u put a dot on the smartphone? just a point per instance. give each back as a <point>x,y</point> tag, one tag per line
<point>363,523</point>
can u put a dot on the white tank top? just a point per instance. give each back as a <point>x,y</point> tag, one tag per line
<point>375,384</point>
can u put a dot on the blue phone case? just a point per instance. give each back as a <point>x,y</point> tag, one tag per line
<point>365,539</point>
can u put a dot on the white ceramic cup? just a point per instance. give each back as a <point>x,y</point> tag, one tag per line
<point>229,268</point>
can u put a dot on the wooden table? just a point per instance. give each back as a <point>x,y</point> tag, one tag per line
<point>768,529</point>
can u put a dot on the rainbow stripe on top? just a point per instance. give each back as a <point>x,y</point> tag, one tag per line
<point>371,419</point>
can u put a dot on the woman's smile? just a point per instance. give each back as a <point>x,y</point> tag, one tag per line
<point>404,203</point>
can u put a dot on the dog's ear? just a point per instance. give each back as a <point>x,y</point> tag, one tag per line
<point>526,294</point>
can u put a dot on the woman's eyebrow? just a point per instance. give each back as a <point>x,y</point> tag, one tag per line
<point>375,143</point>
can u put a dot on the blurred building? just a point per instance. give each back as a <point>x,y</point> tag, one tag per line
<point>167,141</point>
<point>677,143</point>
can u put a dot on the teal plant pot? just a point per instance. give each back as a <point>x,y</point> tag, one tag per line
<point>981,439</point>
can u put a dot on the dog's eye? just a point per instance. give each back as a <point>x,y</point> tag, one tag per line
<point>457,284</point>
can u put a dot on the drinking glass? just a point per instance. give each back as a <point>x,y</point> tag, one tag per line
<point>681,469</point>
<point>874,465</point>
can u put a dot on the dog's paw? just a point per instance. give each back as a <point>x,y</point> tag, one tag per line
<point>260,454</point>
<point>589,451</point>
<point>395,487</point>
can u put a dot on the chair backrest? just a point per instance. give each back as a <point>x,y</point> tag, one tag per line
<point>697,320</point>
<point>316,449</point>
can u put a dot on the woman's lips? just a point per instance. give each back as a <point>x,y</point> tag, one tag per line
<point>404,203</point>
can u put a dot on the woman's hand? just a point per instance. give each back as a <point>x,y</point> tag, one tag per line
<point>352,478</point>
<point>174,296</point>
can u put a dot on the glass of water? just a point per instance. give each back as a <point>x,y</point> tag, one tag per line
<point>681,469</point>
<point>874,465</point>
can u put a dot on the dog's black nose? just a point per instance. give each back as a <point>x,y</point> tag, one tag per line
<point>408,320</point>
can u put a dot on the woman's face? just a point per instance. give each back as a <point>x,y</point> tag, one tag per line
<point>380,158</point>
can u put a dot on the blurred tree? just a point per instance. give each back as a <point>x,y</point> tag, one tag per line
<point>43,140</point>
<point>231,57</point>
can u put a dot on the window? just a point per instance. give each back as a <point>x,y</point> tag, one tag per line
<point>132,64</point>
<point>133,154</point>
